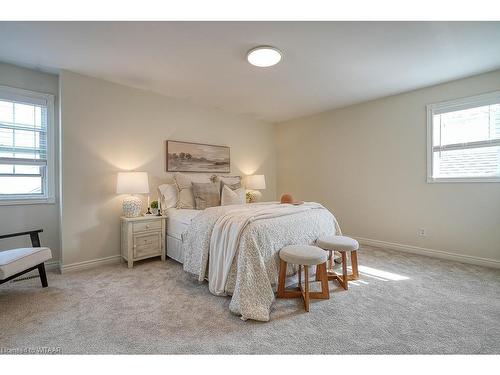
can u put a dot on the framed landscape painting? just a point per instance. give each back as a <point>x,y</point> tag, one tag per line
<point>197,157</point>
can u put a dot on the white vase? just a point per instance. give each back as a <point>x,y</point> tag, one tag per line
<point>132,206</point>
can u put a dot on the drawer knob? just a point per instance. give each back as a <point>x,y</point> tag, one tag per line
<point>147,226</point>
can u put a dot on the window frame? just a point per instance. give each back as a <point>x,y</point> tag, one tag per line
<point>34,97</point>
<point>449,106</point>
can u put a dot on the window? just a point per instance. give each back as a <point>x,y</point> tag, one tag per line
<point>463,140</point>
<point>26,146</point>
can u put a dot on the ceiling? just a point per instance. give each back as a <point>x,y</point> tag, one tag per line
<point>325,65</point>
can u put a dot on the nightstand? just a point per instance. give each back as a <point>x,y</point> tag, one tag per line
<point>142,237</point>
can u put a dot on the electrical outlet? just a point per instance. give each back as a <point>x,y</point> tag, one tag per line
<point>422,232</point>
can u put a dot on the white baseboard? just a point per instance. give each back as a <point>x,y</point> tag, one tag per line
<point>53,265</point>
<point>90,263</point>
<point>469,259</point>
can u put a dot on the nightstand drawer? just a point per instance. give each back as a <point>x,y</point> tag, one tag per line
<point>147,244</point>
<point>148,225</point>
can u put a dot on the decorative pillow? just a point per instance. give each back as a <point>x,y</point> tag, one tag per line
<point>206,194</point>
<point>185,197</point>
<point>168,196</point>
<point>230,196</point>
<point>229,180</point>
<point>234,182</point>
<point>230,186</point>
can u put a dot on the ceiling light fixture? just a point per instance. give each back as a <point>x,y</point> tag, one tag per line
<point>264,56</point>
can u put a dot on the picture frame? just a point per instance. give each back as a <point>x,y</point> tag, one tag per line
<point>197,157</point>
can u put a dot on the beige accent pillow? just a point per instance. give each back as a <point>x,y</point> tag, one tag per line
<point>230,196</point>
<point>206,194</point>
<point>185,197</point>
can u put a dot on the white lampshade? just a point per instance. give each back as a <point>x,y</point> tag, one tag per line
<point>132,183</point>
<point>255,182</point>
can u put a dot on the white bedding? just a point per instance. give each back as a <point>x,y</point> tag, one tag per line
<point>224,242</point>
<point>178,221</point>
<point>246,239</point>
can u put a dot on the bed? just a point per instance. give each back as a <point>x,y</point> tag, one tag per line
<point>235,248</point>
<point>178,221</point>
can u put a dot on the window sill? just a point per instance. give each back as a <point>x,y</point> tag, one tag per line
<point>24,201</point>
<point>431,180</point>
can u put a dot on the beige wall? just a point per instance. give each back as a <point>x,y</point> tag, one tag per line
<point>18,218</point>
<point>107,128</point>
<point>367,163</point>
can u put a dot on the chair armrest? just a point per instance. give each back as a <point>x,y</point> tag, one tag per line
<point>35,241</point>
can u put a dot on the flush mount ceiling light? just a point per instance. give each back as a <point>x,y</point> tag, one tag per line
<point>264,56</point>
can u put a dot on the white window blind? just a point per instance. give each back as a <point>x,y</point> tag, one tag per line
<point>464,140</point>
<point>25,165</point>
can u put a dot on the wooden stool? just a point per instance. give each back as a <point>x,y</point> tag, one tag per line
<point>305,256</point>
<point>343,245</point>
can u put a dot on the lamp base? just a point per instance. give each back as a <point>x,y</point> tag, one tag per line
<point>132,206</point>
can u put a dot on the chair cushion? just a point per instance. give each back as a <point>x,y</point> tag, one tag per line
<point>339,243</point>
<point>303,255</point>
<point>17,260</point>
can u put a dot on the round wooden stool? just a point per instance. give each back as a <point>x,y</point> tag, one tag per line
<point>343,245</point>
<point>303,256</point>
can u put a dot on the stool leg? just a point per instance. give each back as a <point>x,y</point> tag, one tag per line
<point>325,291</point>
<point>300,275</point>
<point>344,271</point>
<point>354,265</point>
<point>282,279</point>
<point>306,291</point>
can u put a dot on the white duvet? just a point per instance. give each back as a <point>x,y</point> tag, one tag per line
<point>236,249</point>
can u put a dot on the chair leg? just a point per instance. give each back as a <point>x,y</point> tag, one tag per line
<point>43,275</point>
<point>306,288</point>
<point>354,265</point>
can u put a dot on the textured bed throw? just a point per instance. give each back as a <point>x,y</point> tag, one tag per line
<point>237,248</point>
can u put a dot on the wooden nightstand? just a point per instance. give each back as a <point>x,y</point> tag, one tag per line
<point>142,237</point>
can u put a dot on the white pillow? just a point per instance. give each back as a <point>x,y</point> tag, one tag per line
<point>232,196</point>
<point>185,196</point>
<point>168,196</point>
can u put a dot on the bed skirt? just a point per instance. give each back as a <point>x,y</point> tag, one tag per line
<point>174,249</point>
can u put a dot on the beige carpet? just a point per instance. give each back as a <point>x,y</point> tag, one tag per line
<point>403,304</point>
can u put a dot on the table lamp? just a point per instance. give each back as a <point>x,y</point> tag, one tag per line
<point>132,183</point>
<point>254,183</point>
